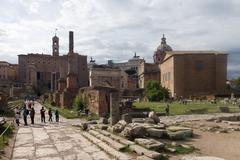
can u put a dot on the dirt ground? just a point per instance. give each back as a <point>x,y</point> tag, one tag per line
<point>222,145</point>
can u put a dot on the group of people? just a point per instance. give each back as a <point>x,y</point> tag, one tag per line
<point>28,109</point>
<point>50,115</point>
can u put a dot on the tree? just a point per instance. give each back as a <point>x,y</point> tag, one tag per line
<point>155,92</point>
<point>79,103</point>
<point>236,82</point>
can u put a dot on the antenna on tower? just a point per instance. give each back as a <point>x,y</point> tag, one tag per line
<point>56,31</point>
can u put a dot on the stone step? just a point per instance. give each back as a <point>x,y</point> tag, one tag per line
<point>134,147</point>
<point>111,151</point>
<point>143,151</point>
<point>116,145</point>
<point>143,158</point>
<point>115,137</point>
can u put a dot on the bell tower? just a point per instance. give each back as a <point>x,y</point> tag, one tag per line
<point>55,45</point>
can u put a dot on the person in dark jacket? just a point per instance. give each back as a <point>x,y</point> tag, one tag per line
<point>25,114</point>
<point>42,112</point>
<point>32,115</point>
<point>50,115</point>
<point>57,115</point>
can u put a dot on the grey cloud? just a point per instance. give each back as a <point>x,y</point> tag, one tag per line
<point>113,29</point>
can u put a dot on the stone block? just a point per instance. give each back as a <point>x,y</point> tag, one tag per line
<point>127,118</point>
<point>138,120</point>
<point>149,121</point>
<point>156,133</point>
<point>180,135</point>
<point>143,151</point>
<point>134,130</point>
<point>103,126</point>
<point>150,143</point>
<point>201,158</point>
<point>143,158</point>
<point>119,127</point>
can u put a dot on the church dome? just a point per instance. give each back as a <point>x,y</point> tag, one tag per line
<point>164,46</point>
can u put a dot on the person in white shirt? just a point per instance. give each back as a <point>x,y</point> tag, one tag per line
<point>17,115</point>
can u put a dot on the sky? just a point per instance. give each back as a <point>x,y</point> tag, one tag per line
<point>115,29</point>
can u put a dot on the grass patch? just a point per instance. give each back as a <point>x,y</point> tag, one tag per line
<point>179,109</point>
<point>161,158</point>
<point>125,149</point>
<point>70,113</point>
<point>66,113</point>
<point>11,106</point>
<point>182,150</point>
<point>8,134</point>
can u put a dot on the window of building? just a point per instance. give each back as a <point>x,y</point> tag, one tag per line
<point>38,76</point>
<point>199,65</point>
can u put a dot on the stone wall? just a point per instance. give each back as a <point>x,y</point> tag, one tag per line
<point>147,72</point>
<point>101,75</point>
<point>98,99</point>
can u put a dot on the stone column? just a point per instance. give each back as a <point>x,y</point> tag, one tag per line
<point>71,43</point>
<point>114,108</point>
<point>53,77</point>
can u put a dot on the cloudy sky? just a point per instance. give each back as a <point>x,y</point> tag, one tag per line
<point>114,29</point>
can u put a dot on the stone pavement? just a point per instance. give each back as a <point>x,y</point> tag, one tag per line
<point>195,117</point>
<point>54,141</point>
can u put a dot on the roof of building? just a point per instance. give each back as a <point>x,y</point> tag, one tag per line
<point>194,52</point>
<point>4,62</point>
<point>7,63</point>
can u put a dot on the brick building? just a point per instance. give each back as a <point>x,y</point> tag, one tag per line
<point>194,73</point>
<point>186,73</point>
<point>146,72</point>
<point>8,72</point>
<point>45,68</point>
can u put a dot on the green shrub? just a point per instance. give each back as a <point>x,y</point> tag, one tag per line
<point>79,103</point>
<point>155,92</point>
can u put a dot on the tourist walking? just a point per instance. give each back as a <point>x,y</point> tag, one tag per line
<point>50,115</point>
<point>17,115</point>
<point>42,112</point>
<point>32,115</point>
<point>25,114</point>
<point>57,115</point>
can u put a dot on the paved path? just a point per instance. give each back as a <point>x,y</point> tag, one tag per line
<point>54,141</point>
<point>195,117</point>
